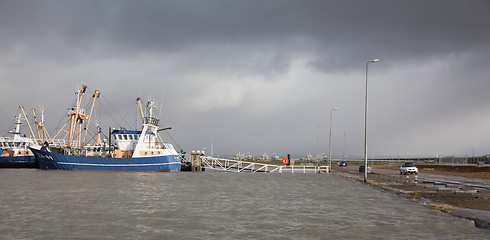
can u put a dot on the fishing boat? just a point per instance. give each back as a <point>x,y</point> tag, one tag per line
<point>15,152</point>
<point>125,150</point>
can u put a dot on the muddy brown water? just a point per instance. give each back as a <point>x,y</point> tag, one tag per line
<point>40,204</point>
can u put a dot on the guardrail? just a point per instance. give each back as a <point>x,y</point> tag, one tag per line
<point>230,165</point>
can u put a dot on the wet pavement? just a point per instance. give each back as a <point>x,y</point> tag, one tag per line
<point>458,196</point>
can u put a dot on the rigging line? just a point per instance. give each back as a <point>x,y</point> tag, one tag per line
<point>93,128</point>
<point>87,104</point>
<point>135,119</point>
<point>130,109</point>
<point>63,117</point>
<point>98,110</point>
<point>110,115</point>
<point>95,117</point>
<point>173,140</point>
<point>91,134</point>
<point>93,131</point>
<point>127,124</point>
<point>139,91</point>
<point>161,104</point>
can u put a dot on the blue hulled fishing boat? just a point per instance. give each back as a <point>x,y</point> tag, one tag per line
<point>15,151</point>
<point>126,150</point>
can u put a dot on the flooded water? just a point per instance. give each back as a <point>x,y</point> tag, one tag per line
<point>39,204</point>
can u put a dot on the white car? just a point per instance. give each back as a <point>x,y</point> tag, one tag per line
<point>408,168</point>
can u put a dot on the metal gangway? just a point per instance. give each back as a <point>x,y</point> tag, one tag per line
<point>230,165</point>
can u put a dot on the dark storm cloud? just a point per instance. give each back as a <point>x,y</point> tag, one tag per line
<point>340,30</point>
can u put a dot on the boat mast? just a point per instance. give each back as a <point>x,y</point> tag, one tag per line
<point>17,125</point>
<point>141,109</point>
<point>25,117</point>
<point>75,115</point>
<point>37,125</point>
<point>99,130</point>
<point>45,132</point>
<point>95,96</point>
<point>150,114</point>
<point>151,120</point>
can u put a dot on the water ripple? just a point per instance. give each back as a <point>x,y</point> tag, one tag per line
<point>39,204</point>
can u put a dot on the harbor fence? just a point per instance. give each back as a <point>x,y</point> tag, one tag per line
<point>231,165</point>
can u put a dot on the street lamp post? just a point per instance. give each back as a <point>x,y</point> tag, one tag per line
<point>317,142</point>
<point>365,120</point>
<point>330,141</point>
<point>343,149</point>
<point>317,157</point>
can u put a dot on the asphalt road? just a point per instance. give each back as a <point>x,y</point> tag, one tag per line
<point>425,178</point>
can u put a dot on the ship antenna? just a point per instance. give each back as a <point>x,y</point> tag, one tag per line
<point>161,104</point>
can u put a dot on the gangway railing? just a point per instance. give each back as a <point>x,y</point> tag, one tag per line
<point>231,165</point>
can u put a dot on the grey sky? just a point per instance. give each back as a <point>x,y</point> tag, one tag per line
<point>261,76</point>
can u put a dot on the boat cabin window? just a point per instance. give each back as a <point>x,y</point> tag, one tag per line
<point>130,137</point>
<point>17,144</point>
<point>11,144</point>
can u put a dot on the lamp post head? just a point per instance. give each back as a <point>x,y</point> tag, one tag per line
<point>335,108</point>
<point>375,60</point>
